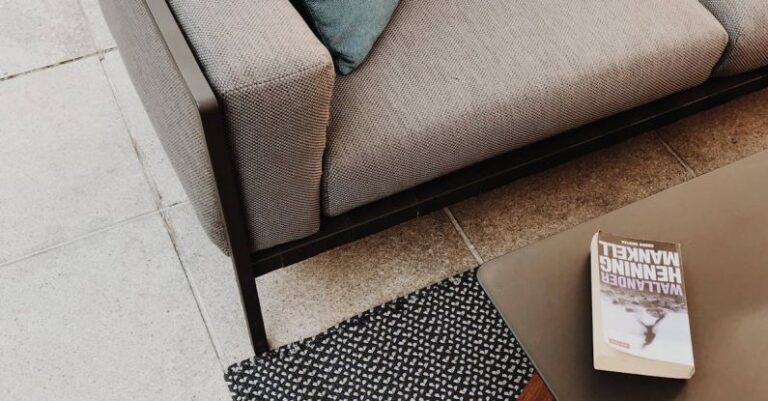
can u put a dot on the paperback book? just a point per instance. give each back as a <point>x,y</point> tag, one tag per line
<point>640,318</point>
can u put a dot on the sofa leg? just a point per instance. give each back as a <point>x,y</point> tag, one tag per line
<point>249,298</point>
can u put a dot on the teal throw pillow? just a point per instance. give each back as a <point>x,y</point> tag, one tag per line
<point>348,28</point>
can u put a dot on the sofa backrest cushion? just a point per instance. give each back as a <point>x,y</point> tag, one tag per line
<point>348,28</point>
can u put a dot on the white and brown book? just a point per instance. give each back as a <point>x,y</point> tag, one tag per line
<point>639,310</point>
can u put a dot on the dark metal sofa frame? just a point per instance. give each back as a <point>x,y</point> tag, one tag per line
<point>424,198</point>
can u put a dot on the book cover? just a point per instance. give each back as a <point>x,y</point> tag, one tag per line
<point>639,309</point>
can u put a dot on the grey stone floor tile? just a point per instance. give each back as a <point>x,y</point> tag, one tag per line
<point>213,281</point>
<point>546,203</point>
<point>68,166</point>
<point>304,299</point>
<point>108,317</point>
<point>722,135</point>
<point>35,34</point>
<point>99,29</point>
<point>158,167</point>
<point>313,295</point>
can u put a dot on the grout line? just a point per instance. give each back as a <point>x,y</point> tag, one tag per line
<point>677,156</point>
<point>88,235</point>
<point>463,236</point>
<point>153,187</point>
<point>99,53</point>
<point>193,289</point>
<point>157,197</point>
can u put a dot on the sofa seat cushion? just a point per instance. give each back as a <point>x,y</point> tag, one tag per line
<point>451,83</point>
<point>747,24</point>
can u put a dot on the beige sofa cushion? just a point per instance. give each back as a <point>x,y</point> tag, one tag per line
<point>451,83</point>
<point>747,24</point>
<point>274,80</point>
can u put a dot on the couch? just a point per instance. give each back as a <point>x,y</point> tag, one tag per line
<point>282,159</point>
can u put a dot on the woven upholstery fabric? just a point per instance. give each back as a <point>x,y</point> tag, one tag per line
<point>451,83</point>
<point>274,80</point>
<point>170,106</point>
<point>747,24</point>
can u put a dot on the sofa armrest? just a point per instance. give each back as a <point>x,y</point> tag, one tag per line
<point>273,80</point>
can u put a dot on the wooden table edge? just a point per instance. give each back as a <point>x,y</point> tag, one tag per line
<point>536,390</point>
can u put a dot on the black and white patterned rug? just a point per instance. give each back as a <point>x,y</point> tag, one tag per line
<point>445,342</point>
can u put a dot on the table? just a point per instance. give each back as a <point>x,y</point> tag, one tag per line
<point>721,219</point>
